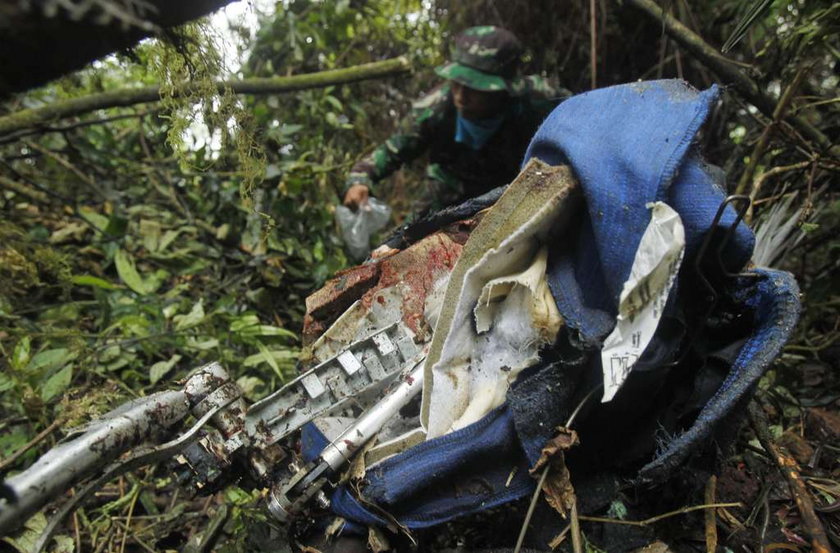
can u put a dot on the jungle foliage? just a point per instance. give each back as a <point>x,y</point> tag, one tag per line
<point>138,243</point>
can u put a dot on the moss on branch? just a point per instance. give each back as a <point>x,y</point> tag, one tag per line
<point>34,117</point>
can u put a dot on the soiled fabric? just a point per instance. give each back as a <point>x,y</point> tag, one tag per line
<point>497,311</point>
<point>627,145</point>
<point>773,298</point>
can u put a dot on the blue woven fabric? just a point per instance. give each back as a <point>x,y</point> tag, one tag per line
<point>628,145</point>
<point>454,475</point>
<point>774,300</point>
<point>312,442</point>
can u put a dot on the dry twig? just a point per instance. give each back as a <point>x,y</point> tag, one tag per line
<point>7,462</point>
<point>788,466</point>
<point>711,520</point>
<point>657,518</point>
<point>575,539</point>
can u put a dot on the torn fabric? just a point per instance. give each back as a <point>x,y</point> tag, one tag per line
<point>497,309</point>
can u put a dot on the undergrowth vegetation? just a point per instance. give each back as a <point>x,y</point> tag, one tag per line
<point>138,243</point>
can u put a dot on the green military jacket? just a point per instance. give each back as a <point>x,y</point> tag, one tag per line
<point>456,169</point>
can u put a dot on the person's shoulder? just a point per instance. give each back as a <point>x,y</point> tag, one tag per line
<point>432,105</point>
<point>439,95</point>
<point>537,88</point>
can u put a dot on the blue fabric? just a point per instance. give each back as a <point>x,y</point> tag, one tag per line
<point>461,473</point>
<point>774,299</point>
<point>628,145</point>
<point>475,133</point>
<point>312,442</point>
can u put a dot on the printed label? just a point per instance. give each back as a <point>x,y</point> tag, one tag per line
<point>643,297</point>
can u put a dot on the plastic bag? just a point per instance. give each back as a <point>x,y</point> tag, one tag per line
<point>357,226</point>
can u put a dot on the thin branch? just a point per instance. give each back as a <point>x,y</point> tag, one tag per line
<point>10,460</point>
<point>78,125</point>
<point>711,521</point>
<point>521,539</point>
<point>759,181</point>
<point>764,140</point>
<point>67,165</point>
<point>657,518</point>
<point>28,118</point>
<point>19,188</point>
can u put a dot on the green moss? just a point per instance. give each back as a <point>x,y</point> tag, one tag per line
<point>189,55</point>
<point>26,266</point>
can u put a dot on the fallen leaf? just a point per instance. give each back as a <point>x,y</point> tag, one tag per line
<point>557,487</point>
<point>564,440</point>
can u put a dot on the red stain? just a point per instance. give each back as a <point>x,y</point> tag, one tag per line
<point>416,269</point>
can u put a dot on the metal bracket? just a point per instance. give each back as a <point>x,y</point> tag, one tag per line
<point>366,366</point>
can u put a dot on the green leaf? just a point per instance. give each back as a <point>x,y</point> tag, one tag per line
<point>150,232</point>
<point>282,355</point>
<point>244,321</point>
<point>268,358</point>
<point>50,359</point>
<point>110,353</point>
<point>203,345</point>
<point>57,383</point>
<point>99,221</point>
<point>249,386</point>
<point>191,319</point>
<point>116,225</point>
<point>168,237</point>
<point>13,439</point>
<point>161,368</point>
<point>237,496</point>
<point>128,272</point>
<point>6,382</point>
<point>248,325</point>
<point>155,280</point>
<point>96,282</point>
<point>25,541</point>
<point>20,356</point>
<point>274,358</point>
<point>63,544</point>
<point>334,102</point>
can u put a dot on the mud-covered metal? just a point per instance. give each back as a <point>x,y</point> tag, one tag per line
<point>288,497</point>
<point>99,443</point>
<point>366,366</point>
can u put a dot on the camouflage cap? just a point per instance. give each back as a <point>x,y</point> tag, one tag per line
<point>486,58</point>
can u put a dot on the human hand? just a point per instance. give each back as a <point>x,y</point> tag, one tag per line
<point>383,251</point>
<point>356,196</point>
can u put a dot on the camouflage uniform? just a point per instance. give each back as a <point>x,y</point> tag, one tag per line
<point>486,59</point>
